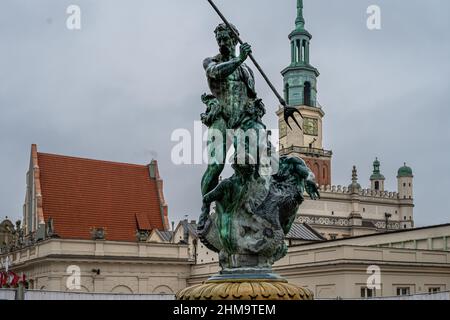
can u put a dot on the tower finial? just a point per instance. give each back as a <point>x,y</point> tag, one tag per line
<point>300,21</point>
<point>376,166</point>
<point>354,187</point>
<point>354,175</point>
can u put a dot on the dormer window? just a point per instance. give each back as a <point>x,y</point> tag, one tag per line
<point>98,233</point>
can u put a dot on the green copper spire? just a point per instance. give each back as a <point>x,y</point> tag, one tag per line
<point>300,21</point>
<point>376,175</point>
<point>300,77</point>
<point>405,171</point>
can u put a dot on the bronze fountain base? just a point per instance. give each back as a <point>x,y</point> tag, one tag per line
<point>245,288</point>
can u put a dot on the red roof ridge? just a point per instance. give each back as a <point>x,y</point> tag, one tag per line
<point>94,160</point>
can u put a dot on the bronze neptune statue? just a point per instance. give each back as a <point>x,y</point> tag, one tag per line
<point>253,211</point>
<point>245,217</point>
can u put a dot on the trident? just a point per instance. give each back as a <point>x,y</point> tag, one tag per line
<point>288,111</point>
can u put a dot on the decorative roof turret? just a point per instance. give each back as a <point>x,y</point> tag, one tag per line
<point>376,171</point>
<point>300,22</point>
<point>405,171</point>
<point>354,187</point>
<point>300,77</point>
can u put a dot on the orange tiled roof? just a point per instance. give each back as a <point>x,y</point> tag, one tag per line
<point>82,194</point>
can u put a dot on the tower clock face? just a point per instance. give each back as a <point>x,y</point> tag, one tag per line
<point>283,128</point>
<point>311,126</point>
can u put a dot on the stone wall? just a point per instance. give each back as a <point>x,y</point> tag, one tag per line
<point>104,266</point>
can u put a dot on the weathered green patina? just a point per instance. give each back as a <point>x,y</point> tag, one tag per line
<point>300,77</point>
<point>376,175</point>
<point>405,171</point>
<point>253,210</point>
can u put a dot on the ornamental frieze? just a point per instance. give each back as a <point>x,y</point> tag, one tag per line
<point>344,222</point>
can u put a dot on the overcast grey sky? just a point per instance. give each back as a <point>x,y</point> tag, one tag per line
<point>116,89</point>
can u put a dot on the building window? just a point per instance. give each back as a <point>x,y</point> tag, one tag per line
<point>368,293</point>
<point>434,290</point>
<point>364,209</point>
<point>286,92</point>
<point>404,184</point>
<point>304,50</point>
<point>377,185</point>
<point>293,51</point>
<point>403,291</point>
<point>316,169</point>
<point>307,94</point>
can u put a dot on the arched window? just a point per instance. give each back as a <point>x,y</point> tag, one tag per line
<point>307,94</point>
<point>286,92</point>
<point>325,173</point>
<point>293,51</point>
<point>377,185</point>
<point>317,171</point>
<point>304,51</point>
<point>163,289</point>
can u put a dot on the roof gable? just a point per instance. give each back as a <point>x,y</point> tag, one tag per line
<point>302,231</point>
